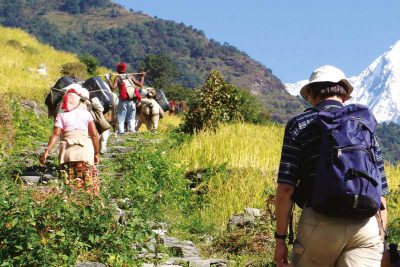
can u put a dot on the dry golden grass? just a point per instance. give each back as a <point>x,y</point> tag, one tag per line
<point>20,57</point>
<point>252,152</point>
<point>393,175</point>
<point>167,123</point>
<point>238,145</point>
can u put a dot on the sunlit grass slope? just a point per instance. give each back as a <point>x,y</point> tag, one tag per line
<point>19,59</point>
<point>251,155</point>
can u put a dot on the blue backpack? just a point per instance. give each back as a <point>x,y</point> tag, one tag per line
<point>348,182</point>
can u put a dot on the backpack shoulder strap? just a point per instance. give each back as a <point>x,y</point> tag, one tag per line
<point>318,109</point>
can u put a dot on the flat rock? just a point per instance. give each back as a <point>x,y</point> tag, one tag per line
<point>196,262</point>
<point>180,248</point>
<point>31,179</point>
<point>253,212</point>
<point>152,255</point>
<point>120,149</point>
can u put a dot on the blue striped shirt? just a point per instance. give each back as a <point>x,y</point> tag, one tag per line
<point>301,148</point>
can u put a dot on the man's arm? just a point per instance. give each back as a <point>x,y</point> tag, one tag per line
<point>141,82</point>
<point>114,85</point>
<point>283,207</point>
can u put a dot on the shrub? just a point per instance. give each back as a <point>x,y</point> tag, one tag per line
<point>39,228</point>
<point>91,63</point>
<point>75,69</point>
<point>218,101</point>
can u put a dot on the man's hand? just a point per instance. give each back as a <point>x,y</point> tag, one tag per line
<point>143,73</point>
<point>281,253</point>
<point>108,76</point>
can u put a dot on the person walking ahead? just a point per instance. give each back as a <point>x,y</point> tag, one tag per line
<point>79,144</point>
<point>332,167</point>
<point>126,110</point>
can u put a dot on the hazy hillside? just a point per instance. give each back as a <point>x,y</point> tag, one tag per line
<point>112,33</point>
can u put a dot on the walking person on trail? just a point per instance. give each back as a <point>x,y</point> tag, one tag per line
<point>331,167</point>
<point>126,110</point>
<point>79,145</point>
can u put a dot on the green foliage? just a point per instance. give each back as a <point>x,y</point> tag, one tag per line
<point>218,101</point>
<point>75,69</point>
<point>29,130</point>
<point>389,138</point>
<point>42,226</point>
<point>275,102</point>
<point>179,93</point>
<point>60,230</point>
<point>91,63</point>
<point>78,6</point>
<point>151,180</point>
<point>393,202</point>
<point>161,70</point>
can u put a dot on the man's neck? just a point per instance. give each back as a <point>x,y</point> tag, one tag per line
<point>335,98</point>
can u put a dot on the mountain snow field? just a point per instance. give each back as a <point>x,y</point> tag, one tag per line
<point>377,87</point>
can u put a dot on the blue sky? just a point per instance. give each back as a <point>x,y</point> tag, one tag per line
<point>292,37</point>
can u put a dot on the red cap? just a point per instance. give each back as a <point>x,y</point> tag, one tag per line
<point>121,68</point>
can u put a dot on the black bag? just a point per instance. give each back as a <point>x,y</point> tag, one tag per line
<point>98,88</point>
<point>162,100</point>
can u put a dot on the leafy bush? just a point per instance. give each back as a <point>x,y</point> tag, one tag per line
<point>39,228</point>
<point>218,101</point>
<point>91,63</point>
<point>75,69</point>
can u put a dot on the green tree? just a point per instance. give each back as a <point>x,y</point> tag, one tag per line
<point>179,93</point>
<point>161,70</point>
<point>91,64</point>
<point>72,6</point>
<point>218,101</point>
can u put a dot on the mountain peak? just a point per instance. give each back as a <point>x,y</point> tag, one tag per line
<point>376,87</point>
<point>396,46</point>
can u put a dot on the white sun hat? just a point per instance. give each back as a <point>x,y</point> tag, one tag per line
<point>326,73</point>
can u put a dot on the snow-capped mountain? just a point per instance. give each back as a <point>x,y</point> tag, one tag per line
<point>377,87</point>
<point>294,88</point>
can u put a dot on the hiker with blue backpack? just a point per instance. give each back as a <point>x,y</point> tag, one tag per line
<point>331,166</point>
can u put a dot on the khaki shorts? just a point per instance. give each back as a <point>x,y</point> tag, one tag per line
<point>325,241</point>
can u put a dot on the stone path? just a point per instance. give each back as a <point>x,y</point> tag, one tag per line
<point>183,252</point>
